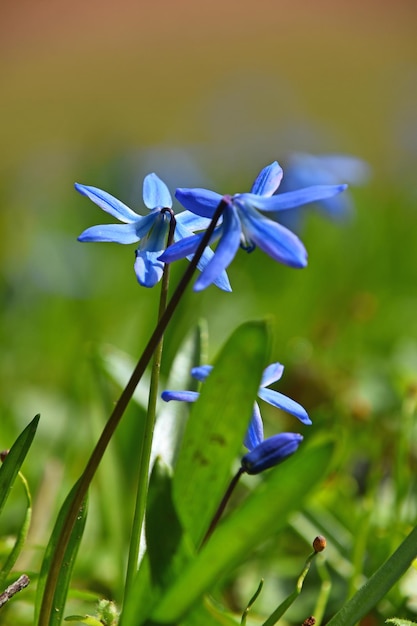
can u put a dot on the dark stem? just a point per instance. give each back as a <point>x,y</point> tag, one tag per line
<point>223,504</point>
<point>114,419</point>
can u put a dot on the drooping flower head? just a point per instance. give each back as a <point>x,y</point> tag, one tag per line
<point>263,453</point>
<point>150,231</point>
<point>244,224</point>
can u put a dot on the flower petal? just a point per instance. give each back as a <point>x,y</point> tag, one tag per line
<point>271,374</point>
<point>225,251</point>
<point>286,404</point>
<point>155,193</point>
<point>201,373</point>
<point>108,203</point>
<point>200,201</point>
<point>276,240</point>
<point>118,233</point>
<point>191,221</point>
<point>292,199</point>
<point>255,432</point>
<point>185,247</point>
<point>148,268</point>
<point>222,281</point>
<point>182,396</point>
<point>271,452</point>
<point>268,180</point>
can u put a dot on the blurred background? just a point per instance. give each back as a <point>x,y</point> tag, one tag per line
<point>204,94</point>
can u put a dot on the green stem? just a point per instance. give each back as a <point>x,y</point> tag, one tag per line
<point>146,447</point>
<point>284,606</point>
<point>113,421</point>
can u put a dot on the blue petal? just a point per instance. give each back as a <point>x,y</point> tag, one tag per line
<point>292,199</point>
<point>156,193</point>
<point>145,224</point>
<point>200,373</point>
<point>255,432</point>
<point>181,232</point>
<point>182,396</point>
<point>276,240</point>
<point>271,374</point>
<point>225,251</point>
<point>222,280</point>
<point>200,201</point>
<point>147,267</point>
<point>118,233</point>
<point>191,221</point>
<point>271,452</point>
<point>185,247</point>
<point>286,404</point>
<point>351,169</point>
<point>268,180</point>
<point>108,203</point>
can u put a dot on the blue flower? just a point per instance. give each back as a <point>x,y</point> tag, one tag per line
<point>244,225</point>
<point>270,452</point>
<point>150,231</point>
<point>304,169</point>
<point>263,453</point>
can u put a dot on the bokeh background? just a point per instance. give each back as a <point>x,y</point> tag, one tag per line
<point>205,94</point>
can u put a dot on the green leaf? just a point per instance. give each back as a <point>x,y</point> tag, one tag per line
<point>217,426</point>
<point>263,512</point>
<point>167,548</point>
<point>21,536</point>
<point>379,584</point>
<point>68,562</point>
<point>172,416</point>
<point>15,458</point>
<point>400,622</point>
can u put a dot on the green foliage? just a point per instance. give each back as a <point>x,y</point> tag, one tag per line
<point>14,459</point>
<point>65,572</point>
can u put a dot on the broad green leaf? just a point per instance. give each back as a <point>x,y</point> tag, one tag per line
<point>379,584</point>
<point>68,562</point>
<point>172,416</point>
<point>13,461</point>
<point>167,547</point>
<point>217,425</point>
<point>400,622</point>
<point>263,512</point>
<point>168,550</point>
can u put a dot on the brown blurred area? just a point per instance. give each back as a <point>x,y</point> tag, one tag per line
<point>295,75</point>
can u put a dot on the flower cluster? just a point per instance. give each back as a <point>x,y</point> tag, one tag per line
<point>263,453</point>
<point>243,224</point>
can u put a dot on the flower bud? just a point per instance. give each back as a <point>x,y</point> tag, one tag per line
<point>319,543</point>
<point>270,452</point>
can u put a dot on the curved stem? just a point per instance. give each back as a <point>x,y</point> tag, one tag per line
<point>223,503</point>
<point>113,421</point>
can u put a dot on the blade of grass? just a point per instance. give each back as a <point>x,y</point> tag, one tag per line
<point>64,577</point>
<point>379,584</point>
<point>14,459</point>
